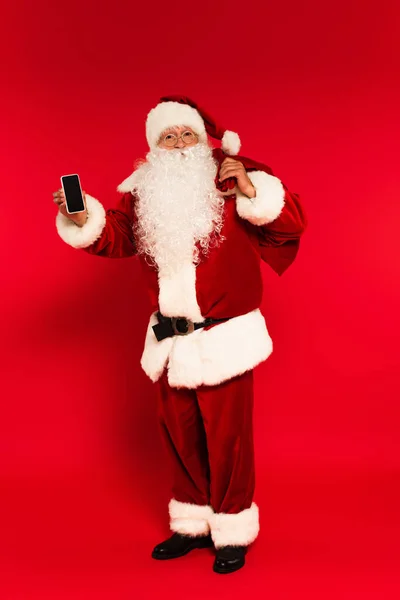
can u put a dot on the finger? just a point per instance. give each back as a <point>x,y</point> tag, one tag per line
<point>229,168</point>
<point>229,165</point>
<point>228,176</point>
<point>234,172</point>
<point>235,165</point>
<point>226,169</point>
<point>228,162</point>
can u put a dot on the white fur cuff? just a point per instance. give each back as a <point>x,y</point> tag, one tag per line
<point>189,519</point>
<point>81,237</point>
<point>240,529</point>
<point>268,202</point>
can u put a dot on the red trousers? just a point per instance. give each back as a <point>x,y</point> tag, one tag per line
<point>208,432</point>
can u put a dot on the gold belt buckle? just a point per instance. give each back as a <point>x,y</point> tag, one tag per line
<point>189,324</point>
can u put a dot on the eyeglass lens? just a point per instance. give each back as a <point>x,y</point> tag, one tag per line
<point>187,137</point>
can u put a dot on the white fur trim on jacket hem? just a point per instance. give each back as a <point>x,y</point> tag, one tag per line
<point>268,202</point>
<point>155,353</point>
<point>240,529</point>
<point>189,519</point>
<point>81,237</point>
<point>209,357</point>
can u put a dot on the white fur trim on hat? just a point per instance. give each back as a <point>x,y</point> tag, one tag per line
<point>82,237</point>
<point>172,114</point>
<point>236,529</point>
<point>230,143</point>
<point>189,519</point>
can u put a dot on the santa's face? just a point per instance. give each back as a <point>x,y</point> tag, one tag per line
<point>178,137</point>
<point>178,209</point>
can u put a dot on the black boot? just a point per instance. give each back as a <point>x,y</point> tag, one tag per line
<point>178,545</point>
<point>229,559</point>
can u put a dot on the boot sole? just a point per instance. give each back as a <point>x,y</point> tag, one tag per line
<point>171,556</point>
<point>226,571</point>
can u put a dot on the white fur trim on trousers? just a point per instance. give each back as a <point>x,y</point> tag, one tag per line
<point>189,519</point>
<point>234,529</point>
<point>240,529</point>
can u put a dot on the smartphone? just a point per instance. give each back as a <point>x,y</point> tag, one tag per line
<point>73,193</point>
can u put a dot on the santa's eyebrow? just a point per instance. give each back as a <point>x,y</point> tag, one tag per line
<point>172,130</point>
<point>166,132</point>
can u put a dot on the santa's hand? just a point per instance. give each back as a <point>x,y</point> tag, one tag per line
<point>234,168</point>
<point>78,218</point>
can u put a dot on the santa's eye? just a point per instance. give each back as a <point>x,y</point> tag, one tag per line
<point>188,136</point>
<point>170,139</point>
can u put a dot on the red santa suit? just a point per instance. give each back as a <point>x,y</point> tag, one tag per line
<point>205,378</point>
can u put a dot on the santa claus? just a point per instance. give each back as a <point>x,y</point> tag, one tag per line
<point>200,219</point>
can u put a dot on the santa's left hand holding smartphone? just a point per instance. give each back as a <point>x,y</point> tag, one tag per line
<point>78,218</point>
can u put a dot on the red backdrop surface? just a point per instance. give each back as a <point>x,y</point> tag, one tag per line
<point>313,90</point>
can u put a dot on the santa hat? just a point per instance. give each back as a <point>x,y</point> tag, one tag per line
<point>180,110</point>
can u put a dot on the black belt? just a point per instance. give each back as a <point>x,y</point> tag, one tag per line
<point>170,326</point>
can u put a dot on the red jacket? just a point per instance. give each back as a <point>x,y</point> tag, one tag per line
<point>227,283</point>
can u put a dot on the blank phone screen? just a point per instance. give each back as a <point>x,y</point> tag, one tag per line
<point>73,194</point>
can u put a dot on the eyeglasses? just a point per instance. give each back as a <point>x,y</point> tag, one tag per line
<point>187,137</point>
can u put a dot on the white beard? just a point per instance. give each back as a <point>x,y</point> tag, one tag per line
<point>177,206</point>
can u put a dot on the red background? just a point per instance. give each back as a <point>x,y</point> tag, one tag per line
<point>313,90</point>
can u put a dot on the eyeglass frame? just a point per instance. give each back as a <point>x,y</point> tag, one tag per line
<point>196,135</point>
